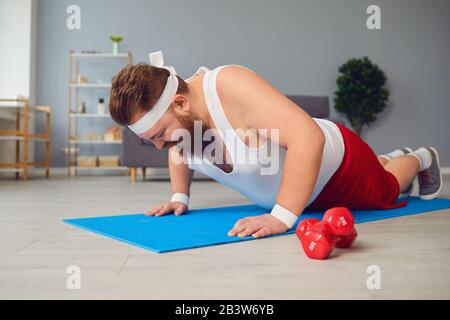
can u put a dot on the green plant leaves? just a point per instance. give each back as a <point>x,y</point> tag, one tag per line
<point>116,38</point>
<point>361,93</point>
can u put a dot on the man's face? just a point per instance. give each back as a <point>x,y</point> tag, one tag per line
<point>161,133</point>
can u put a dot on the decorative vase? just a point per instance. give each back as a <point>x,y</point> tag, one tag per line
<point>115,47</point>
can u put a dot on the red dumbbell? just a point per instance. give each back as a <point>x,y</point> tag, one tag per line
<point>342,224</point>
<point>346,241</point>
<point>305,225</point>
<point>318,238</point>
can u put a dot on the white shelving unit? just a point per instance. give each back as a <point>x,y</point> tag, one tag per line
<point>90,85</point>
<point>89,115</point>
<point>73,116</point>
<point>73,141</point>
<point>15,138</point>
<point>100,55</point>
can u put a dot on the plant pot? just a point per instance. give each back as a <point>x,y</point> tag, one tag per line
<point>115,48</point>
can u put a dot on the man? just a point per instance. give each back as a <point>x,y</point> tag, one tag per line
<point>319,164</point>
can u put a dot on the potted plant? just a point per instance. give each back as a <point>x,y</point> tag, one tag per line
<point>116,39</point>
<point>361,93</point>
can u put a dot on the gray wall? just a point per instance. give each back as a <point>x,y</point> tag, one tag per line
<point>296,44</point>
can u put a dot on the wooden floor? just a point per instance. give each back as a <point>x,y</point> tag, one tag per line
<point>36,248</point>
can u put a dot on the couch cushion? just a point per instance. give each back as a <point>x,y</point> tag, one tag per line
<point>315,106</point>
<point>137,152</point>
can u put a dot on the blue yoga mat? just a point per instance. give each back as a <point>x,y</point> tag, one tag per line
<point>208,227</point>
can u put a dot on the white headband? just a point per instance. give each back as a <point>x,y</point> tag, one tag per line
<point>163,103</point>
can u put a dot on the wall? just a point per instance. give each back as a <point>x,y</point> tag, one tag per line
<point>296,44</point>
<point>17,63</point>
<point>15,44</point>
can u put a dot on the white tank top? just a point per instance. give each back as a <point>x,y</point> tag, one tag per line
<point>246,177</point>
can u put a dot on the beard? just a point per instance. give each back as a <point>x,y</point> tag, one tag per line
<point>188,123</point>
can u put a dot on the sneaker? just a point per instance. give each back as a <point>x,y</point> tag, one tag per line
<point>409,190</point>
<point>430,180</point>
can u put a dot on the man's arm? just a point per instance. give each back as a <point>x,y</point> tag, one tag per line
<point>261,106</point>
<point>180,173</point>
<point>180,178</point>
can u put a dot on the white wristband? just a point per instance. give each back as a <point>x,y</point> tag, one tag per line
<point>180,197</point>
<point>284,215</point>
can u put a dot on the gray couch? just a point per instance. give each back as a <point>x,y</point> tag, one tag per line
<point>138,153</point>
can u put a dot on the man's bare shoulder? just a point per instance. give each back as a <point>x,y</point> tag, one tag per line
<point>256,104</point>
<point>232,94</point>
<point>232,79</point>
<point>246,90</point>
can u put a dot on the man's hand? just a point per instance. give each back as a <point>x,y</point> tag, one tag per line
<point>259,226</point>
<point>176,207</point>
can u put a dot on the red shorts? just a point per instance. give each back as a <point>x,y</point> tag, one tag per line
<point>360,182</point>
